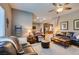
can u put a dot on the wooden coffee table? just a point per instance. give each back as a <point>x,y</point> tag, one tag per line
<point>62,42</point>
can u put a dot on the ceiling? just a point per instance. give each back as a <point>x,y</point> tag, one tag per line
<point>41,9</point>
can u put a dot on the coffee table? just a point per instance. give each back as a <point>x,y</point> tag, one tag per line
<point>63,42</point>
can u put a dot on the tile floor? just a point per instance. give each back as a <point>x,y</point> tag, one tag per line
<point>55,50</point>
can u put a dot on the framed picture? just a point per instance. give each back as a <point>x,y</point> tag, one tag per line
<point>64,25</point>
<point>76,24</point>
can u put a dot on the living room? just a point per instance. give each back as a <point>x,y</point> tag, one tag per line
<point>54,30</point>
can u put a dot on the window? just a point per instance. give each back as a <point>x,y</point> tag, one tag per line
<point>2,22</point>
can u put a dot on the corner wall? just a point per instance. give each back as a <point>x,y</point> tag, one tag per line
<point>22,18</point>
<point>70,18</point>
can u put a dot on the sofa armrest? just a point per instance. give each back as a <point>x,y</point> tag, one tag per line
<point>29,50</point>
<point>33,53</point>
<point>7,48</point>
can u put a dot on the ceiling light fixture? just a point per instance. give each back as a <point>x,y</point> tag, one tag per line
<point>38,17</point>
<point>44,18</point>
<point>41,18</point>
<point>60,9</point>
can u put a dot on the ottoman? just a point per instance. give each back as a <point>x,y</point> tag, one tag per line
<point>45,44</point>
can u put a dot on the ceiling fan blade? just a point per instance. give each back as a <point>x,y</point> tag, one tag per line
<point>51,10</point>
<point>68,8</point>
<point>54,4</point>
<point>66,3</point>
<point>60,4</point>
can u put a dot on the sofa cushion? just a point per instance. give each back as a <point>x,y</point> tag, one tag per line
<point>70,34</point>
<point>75,36</point>
<point>22,40</point>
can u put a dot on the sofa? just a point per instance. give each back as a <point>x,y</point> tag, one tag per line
<point>72,36</point>
<point>14,45</point>
<point>75,39</point>
<point>7,48</point>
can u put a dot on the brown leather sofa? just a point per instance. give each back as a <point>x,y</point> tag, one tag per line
<point>18,46</point>
<point>26,48</point>
<point>31,39</point>
<point>8,48</point>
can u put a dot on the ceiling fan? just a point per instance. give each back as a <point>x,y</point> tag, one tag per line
<point>60,7</point>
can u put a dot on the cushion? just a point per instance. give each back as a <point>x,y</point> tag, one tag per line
<point>77,36</point>
<point>22,40</point>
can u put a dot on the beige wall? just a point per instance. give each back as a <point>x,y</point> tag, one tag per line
<point>8,15</point>
<point>22,18</point>
<point>33,17</point>
<point>68,17</point>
